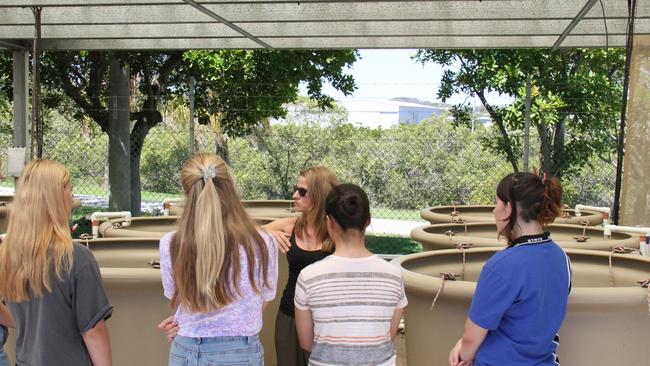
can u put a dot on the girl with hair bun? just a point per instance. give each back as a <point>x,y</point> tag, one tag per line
<point>522,292</point>
<point>348,305</point>
<point>218,270</point>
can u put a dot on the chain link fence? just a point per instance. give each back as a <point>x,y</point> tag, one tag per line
<point>403,169</point>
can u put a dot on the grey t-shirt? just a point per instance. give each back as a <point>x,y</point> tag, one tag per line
<point>50,328</point>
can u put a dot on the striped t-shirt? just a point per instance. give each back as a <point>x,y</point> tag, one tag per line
<point>352,301</point>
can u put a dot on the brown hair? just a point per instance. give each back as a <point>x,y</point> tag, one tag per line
<point>320,181</point>
<point>205,251</point>
<point>532,198</point>
<point>38,232</point>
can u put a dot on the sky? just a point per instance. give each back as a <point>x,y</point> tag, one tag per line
<point>386,74</point>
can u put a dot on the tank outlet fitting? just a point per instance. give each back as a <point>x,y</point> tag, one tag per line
<point>96,217</point>
<point>643,231</point>
<point>168,203</point>
<point>604,210</point>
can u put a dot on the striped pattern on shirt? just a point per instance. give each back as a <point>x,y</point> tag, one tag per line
<point>352,301</point>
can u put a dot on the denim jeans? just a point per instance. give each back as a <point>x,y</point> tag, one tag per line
<point>4,360</point>
<point>216,351</point>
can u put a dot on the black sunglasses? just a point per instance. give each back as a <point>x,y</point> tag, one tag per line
<point>301,191</point>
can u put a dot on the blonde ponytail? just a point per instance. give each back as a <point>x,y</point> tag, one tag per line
<point>205,251</point>
<point>210,242</point>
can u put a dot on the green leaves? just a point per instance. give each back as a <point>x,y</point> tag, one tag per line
<point>243,88</point>
<point>576,97</point>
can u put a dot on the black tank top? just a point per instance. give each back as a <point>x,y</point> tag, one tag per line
<point>298,259</point>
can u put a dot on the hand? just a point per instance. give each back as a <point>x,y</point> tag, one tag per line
<point>454,355</point>
<point>282,239</point>
<point>170,327</point>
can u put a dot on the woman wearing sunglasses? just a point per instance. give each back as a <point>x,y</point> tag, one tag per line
<point>305,240</point>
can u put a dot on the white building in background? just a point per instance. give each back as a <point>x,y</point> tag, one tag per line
<point>374,113</point>
<point>371,113</point>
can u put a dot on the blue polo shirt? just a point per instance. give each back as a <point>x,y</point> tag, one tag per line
<point>521,299</point>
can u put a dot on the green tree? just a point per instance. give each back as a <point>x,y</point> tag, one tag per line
<point>576,99</point>
<point>237,89</point>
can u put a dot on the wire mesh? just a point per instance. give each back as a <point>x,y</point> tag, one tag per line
<point>403,169</point>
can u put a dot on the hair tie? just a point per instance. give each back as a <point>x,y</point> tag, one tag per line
<point>208,173</point>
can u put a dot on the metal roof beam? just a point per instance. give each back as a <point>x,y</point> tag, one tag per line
<point>213,15</point>
<point>263,30</point>
<point>585,9</point>
<point>12,45</point>
<point>440,41</point>
<point>299,12</point>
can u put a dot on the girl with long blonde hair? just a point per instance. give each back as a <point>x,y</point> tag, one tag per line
<point>218,270</point>
<point>305,240</point>
<point>52,287</point>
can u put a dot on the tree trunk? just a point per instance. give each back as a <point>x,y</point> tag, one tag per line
<point>221,147</point>
<point>145,120</point>
<point>124,163</point>
<point>558,148</point>
<point>119,171</point>
<point>138,136</point>
<point>544,149</point>
<point>510,154</point>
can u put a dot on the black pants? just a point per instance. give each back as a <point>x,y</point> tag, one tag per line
<point>287,344</point>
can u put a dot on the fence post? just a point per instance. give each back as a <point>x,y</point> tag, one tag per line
<point>37,118</point>
<point>21,96</point>
<point>527,127</point>
<point>191,142</point>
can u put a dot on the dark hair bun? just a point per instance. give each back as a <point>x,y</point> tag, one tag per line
<point>348,205</point>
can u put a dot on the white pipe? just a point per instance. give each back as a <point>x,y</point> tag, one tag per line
<point>169,202</point>
<point>96,216</point>
<point>644,246</point>
<point>606,211</point>
<point>609,229</point>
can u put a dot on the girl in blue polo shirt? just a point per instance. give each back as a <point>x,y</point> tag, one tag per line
<point>522,292</point>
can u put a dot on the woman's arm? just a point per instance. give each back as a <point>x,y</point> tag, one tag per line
<point>281,230</point>
<point>305,328</point>
<point>5,317</point>
<point>98,344</point>
<point>284,224</point>
<point>394,324</point>
<point>466,347</point>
